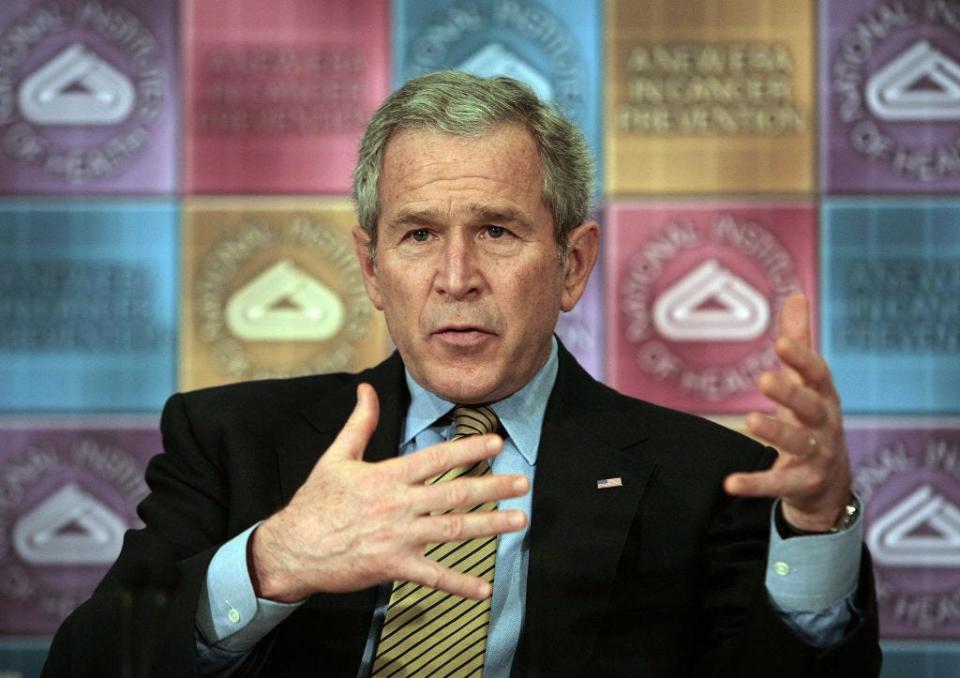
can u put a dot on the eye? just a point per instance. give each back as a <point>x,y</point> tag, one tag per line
<point>498,240</point>
<point>420,235</point>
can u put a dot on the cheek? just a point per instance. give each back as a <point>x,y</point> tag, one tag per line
<point>534,296</point>
<point>401,299</point>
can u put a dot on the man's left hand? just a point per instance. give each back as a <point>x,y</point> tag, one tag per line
<point>812,474</point>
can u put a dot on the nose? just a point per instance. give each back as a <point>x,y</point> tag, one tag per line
<point>458,275</point>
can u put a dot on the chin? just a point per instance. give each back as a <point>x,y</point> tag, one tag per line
<point>464,391</point>
<point>463,396</point>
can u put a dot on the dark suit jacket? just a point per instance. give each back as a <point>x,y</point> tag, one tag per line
<point>660,577</point>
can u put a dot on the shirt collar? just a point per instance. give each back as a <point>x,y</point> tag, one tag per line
<point>521,414</point>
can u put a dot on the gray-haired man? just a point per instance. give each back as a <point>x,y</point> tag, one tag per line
<point>630,538</point>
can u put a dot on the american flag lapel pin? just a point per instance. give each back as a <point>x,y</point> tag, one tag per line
<point>607,483</point>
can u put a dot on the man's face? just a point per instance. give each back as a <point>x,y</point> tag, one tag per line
<point>467,270</point>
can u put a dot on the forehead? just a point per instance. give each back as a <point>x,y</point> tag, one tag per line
<point>426,165</point>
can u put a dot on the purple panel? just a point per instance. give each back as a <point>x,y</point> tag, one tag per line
<point>908,476</point>
<point>581,329</point>
<point>890,87</point>
<point>67,494</point>
<point>87,96</point>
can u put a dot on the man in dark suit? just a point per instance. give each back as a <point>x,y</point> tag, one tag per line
<point>295,516</point>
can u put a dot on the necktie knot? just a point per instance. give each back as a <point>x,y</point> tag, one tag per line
<point>469,420</point>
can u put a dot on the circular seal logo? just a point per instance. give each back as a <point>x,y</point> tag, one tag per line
<point>910,486</point>
<point>65,503</point>
<point>522,40</point>
<point>895,80</point>
<point>698,304</point>
<point>280,300</point>
<point>69,66</point>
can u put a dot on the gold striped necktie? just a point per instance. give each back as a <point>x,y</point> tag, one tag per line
<point>430,632</point>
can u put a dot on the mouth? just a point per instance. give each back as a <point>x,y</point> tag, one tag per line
<point>463,335</point>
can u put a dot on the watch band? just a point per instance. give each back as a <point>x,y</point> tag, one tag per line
<point>846,518</point>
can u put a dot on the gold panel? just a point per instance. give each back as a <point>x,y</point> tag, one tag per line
<point>709,96</point>
<point>272,288</point>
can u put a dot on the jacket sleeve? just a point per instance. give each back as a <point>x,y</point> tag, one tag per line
<point>747,636</point>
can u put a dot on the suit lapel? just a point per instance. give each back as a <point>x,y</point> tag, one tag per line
<point>578,530</point>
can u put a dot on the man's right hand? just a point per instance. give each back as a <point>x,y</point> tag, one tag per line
<point>355,524</point>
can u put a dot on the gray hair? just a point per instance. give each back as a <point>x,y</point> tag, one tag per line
<point>466,105</point>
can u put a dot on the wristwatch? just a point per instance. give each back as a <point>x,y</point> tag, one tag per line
<point>846,518</point>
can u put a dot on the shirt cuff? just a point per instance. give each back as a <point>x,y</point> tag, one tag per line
<point>816,571</point>
<point>229,615</point>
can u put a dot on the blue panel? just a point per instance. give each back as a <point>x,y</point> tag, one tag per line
<point>891,303</point>
<point>902,659</point>
<point>23,655</point>
<point>87,305</point>
<point>554,47</point>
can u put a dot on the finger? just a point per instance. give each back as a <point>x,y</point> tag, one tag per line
<point>783,435</point>
<point>770,483</point>
<point>795,319</point>
<point>794,324</point>
<point>440,458</point>
<point>803,403</point>
<point>432,574</point>
<point>355,434</point>
<point>453,527</point>
<point>788,479</point>
<point>807,363</point>
<point>467,492</point>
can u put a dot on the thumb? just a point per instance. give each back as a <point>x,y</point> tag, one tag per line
<point>355,434</point>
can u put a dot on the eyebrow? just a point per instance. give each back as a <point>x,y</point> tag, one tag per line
<point>478,212</point>
<point>495,214</point>
<point>417,217</point>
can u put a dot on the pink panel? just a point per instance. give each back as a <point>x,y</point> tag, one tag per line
<point>693,293</point>
<point>277,93</point>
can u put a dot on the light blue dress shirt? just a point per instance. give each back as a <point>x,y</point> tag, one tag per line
<point>811,580</point>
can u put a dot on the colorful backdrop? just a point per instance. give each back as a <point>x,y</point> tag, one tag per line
<point>174,213</point>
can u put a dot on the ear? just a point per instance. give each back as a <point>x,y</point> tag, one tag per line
<point>361,244</point>
<point>583,248</point>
